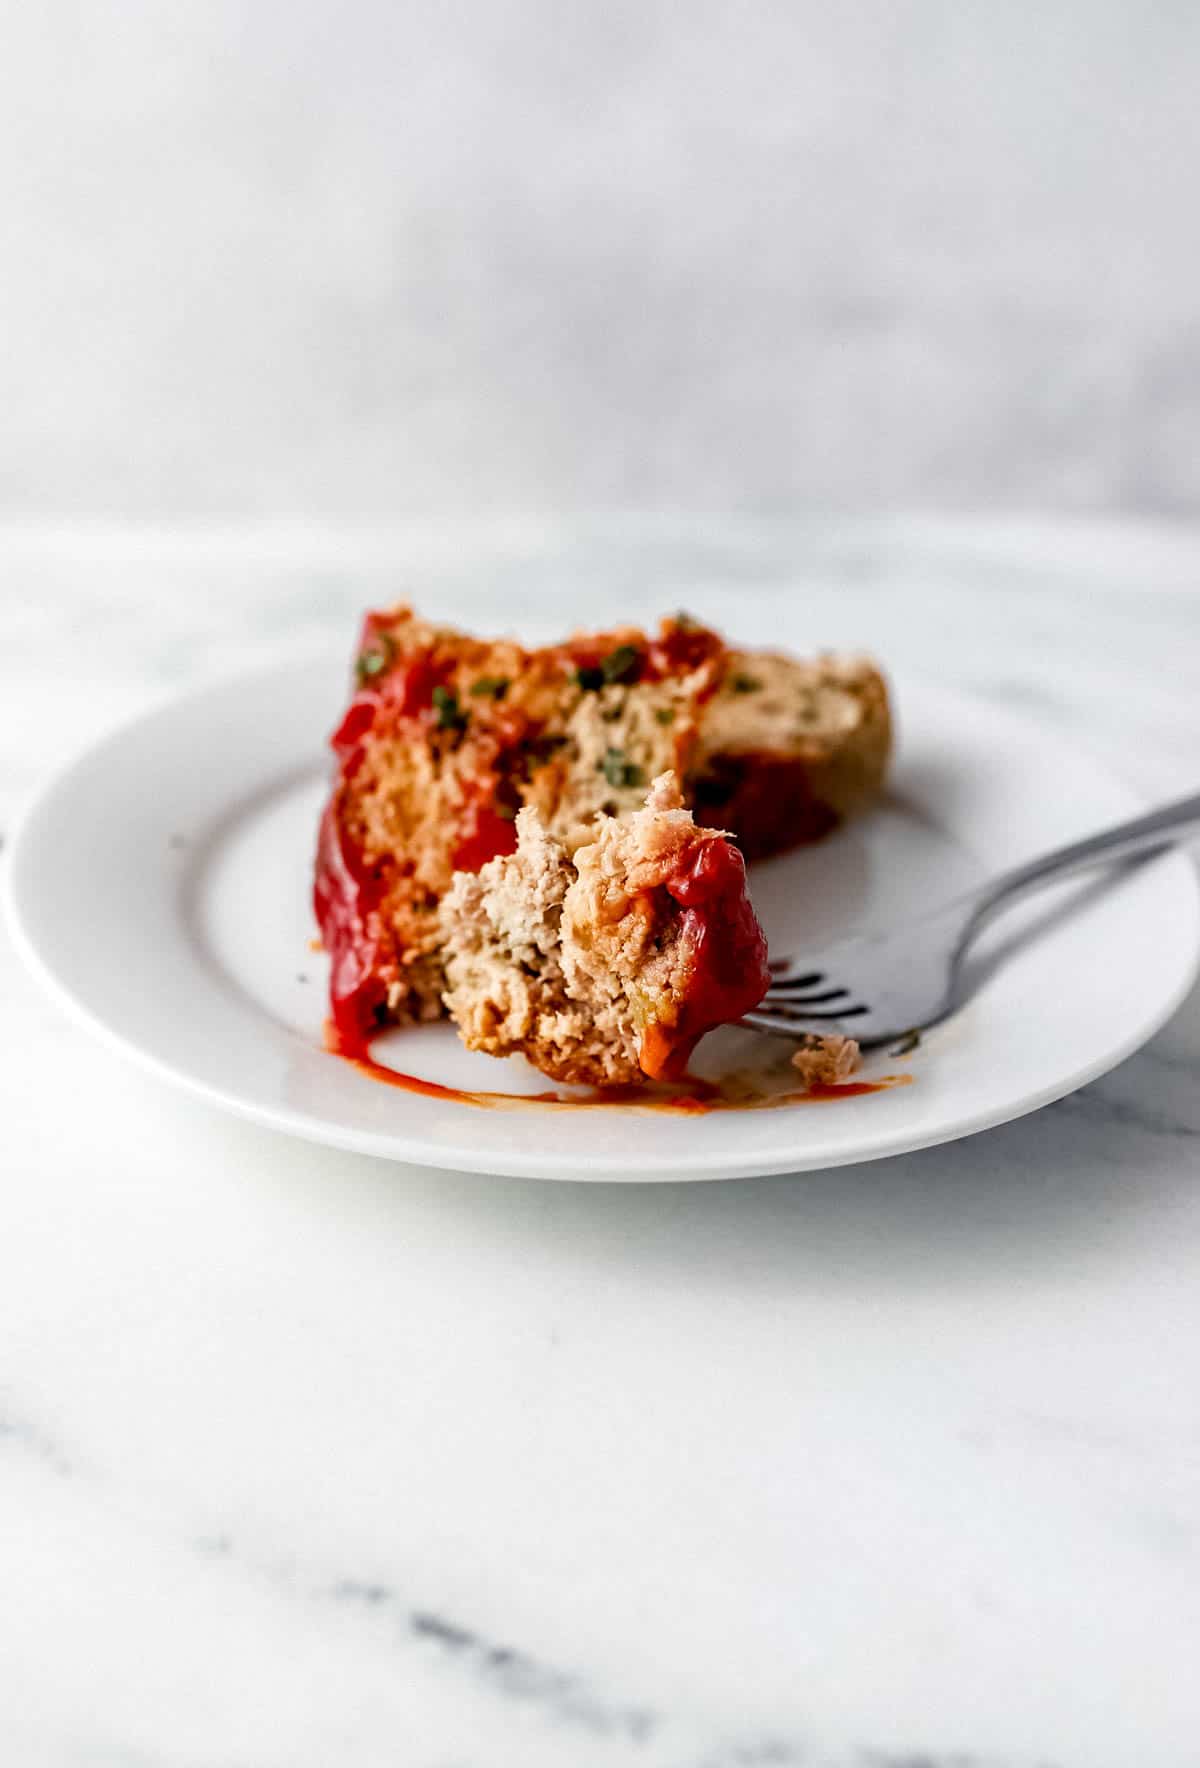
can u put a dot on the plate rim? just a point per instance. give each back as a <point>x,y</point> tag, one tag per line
<point>404,1147</point>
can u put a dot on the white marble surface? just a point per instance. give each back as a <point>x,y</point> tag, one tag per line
<point>306,1459</point>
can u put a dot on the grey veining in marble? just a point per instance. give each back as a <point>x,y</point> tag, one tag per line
<point>309,1459</point>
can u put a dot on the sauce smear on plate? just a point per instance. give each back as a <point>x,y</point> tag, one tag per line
<point>690,1095</point>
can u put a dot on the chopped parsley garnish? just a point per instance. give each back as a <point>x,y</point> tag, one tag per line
<point>506,812</point>
<point>619,772</point>
<point>447,716</point>
<point>494,686</point>
<point>623,664</point>
<point>744,684</point>
<point>375,659</point>
<point>665,715</point>
<point>685,621</point>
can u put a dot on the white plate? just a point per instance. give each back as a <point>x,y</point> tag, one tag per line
<point>160,886</point>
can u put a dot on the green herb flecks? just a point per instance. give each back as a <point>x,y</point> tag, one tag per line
<point>744,684</point>
<point>665,715</point>
<point>447,716</point>
<point>622,665</point>
<point>375,659</point>
<point>494,686</point>
<point>619,772</point>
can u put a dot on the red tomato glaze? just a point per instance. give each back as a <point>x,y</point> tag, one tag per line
<point>677,649</point>
<point>485,834</point>
<point>345,892</point>
<point>348,890</point>
<point>728,973</point>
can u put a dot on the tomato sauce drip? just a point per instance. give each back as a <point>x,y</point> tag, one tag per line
<point>345,892</point>
<point>726,951</point>
<point>688,1097</point>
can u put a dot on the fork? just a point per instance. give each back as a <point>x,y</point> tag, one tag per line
<point>880,988</point>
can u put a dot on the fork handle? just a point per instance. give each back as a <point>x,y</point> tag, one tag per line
<point>1147,834</point>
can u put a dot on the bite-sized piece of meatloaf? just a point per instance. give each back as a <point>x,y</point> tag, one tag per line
<point>825,1060</point>
<point>447,737</point>
<point>608,965</point>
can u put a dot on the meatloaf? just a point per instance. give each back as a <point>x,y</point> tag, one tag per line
<point>447,738</point>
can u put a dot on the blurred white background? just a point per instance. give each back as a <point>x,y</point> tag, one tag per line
<point>379,260</point>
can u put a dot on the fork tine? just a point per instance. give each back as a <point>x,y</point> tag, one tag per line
<point>779,970</point>
<point>797,1015</point>
<point>791,992</point>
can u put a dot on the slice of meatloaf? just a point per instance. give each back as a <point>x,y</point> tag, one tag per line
<point>788,748</point>
<point>448,737</point>
<point>608,965</point>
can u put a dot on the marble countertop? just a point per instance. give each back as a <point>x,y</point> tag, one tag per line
<point>306,1459</point>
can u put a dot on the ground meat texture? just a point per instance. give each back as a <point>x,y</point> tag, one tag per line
<point>447,738</point>
<point>825,1061</point>
<point>607,966</point>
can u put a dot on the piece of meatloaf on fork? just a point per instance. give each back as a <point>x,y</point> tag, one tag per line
<point>609,964</point>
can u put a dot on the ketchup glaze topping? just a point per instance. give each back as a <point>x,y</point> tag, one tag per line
<point>726,952</point>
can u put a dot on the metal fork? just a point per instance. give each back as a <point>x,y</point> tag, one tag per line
<point>884,987</point>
